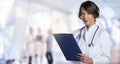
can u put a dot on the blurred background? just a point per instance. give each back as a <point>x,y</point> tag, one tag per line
<point>59,15</point>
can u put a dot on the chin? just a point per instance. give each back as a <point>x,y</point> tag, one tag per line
<point>86,24</point>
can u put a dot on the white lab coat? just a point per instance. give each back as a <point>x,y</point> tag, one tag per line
<point>39,51</point>
<point>39,48</point>
<point>30,45</point>
<point>100,52</point>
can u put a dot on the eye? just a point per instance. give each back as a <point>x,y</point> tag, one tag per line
<point>82,14</point>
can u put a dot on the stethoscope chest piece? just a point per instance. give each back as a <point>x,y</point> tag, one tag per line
<point>90,44</point>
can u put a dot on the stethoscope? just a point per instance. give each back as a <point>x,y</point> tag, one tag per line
<point>91,43</point>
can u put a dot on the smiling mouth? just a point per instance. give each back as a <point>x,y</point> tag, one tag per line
<point>86,21</point>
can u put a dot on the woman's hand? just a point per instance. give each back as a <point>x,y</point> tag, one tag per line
<point>85,58</point>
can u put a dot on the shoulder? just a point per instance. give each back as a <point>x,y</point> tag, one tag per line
<point>77,32</point>
<point>104,36</point>
<point>103,32</point>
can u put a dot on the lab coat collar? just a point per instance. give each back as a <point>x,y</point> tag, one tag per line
<point>92,28</point>
<point>89,33</point>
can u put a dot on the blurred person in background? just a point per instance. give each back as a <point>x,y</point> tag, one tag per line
<point>49,47</point>
<point>115,54</point>
<point>94,42</point>
<point>30,47</point>
<point>39,47</point>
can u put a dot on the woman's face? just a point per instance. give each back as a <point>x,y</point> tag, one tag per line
<point>87,18</point>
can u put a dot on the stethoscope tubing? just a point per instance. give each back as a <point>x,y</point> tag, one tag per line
<point>91,43</point>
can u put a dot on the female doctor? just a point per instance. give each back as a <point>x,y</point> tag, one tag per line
<point>94,42</point>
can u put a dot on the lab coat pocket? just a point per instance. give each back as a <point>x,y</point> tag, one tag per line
<point>95,50</point>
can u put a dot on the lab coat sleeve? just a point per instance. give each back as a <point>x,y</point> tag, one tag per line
<point>105,48</point>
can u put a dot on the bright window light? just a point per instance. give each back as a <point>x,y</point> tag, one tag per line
<point>42,19</point>
<point>5,10</point>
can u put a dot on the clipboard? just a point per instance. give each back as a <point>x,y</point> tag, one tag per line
<point>68,45</point>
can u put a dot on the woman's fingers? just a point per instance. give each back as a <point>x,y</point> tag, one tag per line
<point>84,58</point>
<point>80,54</point>
<point>81,57</point>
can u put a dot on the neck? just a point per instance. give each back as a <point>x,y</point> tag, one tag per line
<point>88,26</point>
<point>92,23</point>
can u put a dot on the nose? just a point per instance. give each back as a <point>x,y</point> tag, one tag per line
<point>85,16</point>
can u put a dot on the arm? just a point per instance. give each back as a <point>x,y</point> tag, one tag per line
<point>105,48</point>
<point>103,57</point>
